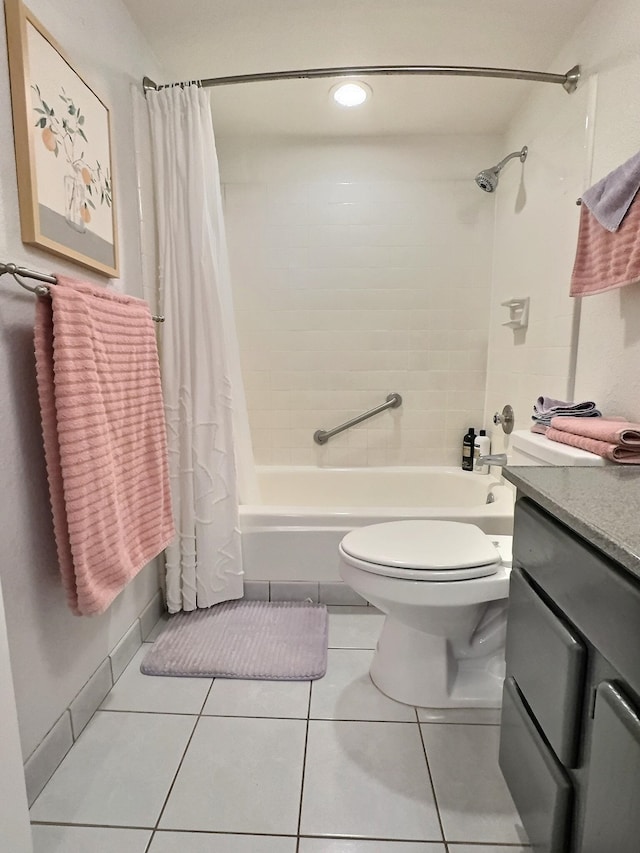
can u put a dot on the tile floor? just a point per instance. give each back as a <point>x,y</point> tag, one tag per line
<point>175,765</point>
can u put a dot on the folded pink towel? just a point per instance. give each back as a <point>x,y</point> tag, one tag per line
<point>104,438</point>
<point>613,452</point>
<point>540,429</point>
<point>611,430</point>
<point>606,259</point>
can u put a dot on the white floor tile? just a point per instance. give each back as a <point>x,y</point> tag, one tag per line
<point>163,694</point>
<point>472,716</point>
<point>348,845</point>
<point>118,772</point>
<point>81,839</point>
<point>354,628</point>
<point>474,802</point>
<point>347,692</point>
<point>367,779</point>
<point>197,842</point>
<point>236,697</point>
<point>239,775</point>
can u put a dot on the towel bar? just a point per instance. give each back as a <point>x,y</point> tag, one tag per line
<point>41,289</point>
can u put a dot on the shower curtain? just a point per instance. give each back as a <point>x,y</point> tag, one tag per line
<point>210,456</point>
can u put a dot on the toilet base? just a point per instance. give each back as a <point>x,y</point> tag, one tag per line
<point>420,669</point>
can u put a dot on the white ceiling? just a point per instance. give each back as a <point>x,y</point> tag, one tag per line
<point>209,38</point>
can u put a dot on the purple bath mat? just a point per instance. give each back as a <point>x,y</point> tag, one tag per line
<point>269,640</point>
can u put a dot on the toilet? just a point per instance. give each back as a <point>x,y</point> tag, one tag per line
<point>443,587</point>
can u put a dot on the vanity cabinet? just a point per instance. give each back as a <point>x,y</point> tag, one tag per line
<point>570,730</point>
<point>612,818</point>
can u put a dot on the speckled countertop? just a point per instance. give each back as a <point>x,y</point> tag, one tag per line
<point>600,504</point>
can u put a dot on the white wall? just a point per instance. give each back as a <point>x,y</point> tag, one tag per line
<point>360,267</point>
<point>14,815</point>
<point>53,652</point>
<point>573,142</point>
<point>609,346</point>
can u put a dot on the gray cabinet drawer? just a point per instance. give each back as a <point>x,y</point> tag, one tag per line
<point>538,784</point>
<point>547,659</point>
<point>599,597</point>
<point>613,786</point>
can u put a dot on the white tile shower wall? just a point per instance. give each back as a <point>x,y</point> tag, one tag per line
<point>355,283</point>
<point>536,227</point>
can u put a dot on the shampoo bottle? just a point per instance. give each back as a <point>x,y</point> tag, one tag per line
<point>482,447</point>
<point>467,449</point>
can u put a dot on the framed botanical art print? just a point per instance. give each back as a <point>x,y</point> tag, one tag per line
<point>63,149</point>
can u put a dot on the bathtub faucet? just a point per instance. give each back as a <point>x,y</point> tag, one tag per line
<point>493,459</point>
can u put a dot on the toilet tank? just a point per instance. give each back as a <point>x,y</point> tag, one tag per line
<point>529,448</point>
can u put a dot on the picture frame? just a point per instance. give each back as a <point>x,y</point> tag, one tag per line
<point>62,136</point>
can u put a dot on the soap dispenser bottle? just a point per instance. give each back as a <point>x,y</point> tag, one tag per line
<point>482,447</point>
<point>468,449</point>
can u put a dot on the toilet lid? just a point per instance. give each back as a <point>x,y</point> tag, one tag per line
<point>422,545</point>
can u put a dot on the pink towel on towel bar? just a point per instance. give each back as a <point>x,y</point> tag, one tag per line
<point>104,438</point>
<point>605,259</point>
<point>606,449</point>
<point>611,430</point>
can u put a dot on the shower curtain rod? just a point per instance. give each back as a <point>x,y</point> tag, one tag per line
<point>568,81</point>
<point>41,289</point>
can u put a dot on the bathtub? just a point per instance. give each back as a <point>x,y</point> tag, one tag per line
<point>293,535</point>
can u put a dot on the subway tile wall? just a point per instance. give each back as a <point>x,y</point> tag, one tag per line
<point>346,290</point>
<point>537,224</point>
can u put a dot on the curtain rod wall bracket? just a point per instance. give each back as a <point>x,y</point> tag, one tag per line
<point>568,81</point>
<point>572,80</point>
<point>148,85</point>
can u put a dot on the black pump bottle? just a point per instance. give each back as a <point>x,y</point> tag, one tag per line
<point>467,449</point>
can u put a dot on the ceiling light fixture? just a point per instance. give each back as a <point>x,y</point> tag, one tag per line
<point>351,94</point>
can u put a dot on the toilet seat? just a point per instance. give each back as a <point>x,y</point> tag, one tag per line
<point>422,550</point>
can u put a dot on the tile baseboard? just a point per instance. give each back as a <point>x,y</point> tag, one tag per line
<point>90,698</point>
<point>151,614</point>
<point>121,655</point>
<point>47,756</point>
<point>44,760</point>
<point>331,593</point>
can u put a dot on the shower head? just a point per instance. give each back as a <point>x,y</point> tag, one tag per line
<point>488,179</point>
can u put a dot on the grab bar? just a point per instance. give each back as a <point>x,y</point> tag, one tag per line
<point>322,436</point>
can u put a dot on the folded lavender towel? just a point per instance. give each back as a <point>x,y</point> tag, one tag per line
<point>546,408</point>
<point>606,449</point>
<point>612,430</point>
<point>610,199</point>
<point>544,405</point>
